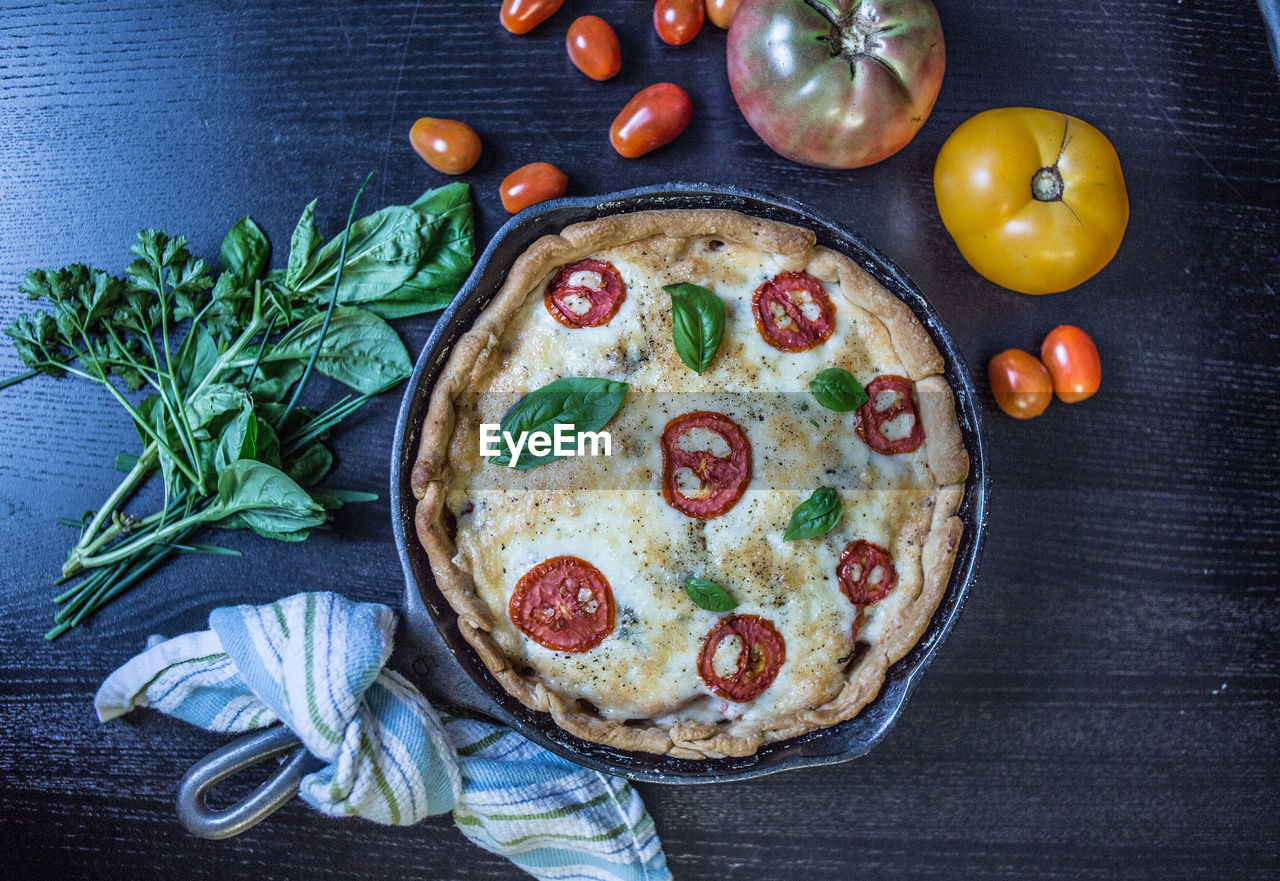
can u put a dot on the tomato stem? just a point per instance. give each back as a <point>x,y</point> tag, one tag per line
<point>1046,184</point>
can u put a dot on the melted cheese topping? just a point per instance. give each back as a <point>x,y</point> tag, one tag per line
<point>610,511</point>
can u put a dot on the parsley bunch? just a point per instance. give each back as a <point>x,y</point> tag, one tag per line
<point>223,359</point>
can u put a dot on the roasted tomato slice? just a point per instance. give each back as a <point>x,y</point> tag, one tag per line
<point>585,294</point>
<point>793,311</point>
<point>872,418</point>
<point>722,479</point>
<point>866,574</point>
<point>563,604</point>
<point>761,653</point>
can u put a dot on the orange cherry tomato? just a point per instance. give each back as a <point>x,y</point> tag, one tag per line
<point>654,117</point>
<point>678,21</point>
<point>1073,362</point>
<point>593,47</point>
<point>446,145</point>
<point>721,12</point>
<point>1020,383</point>
<point>531,184</point>
<point>522,16</point>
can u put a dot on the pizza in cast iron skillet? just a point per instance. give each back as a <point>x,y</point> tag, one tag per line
<point>652,599</point>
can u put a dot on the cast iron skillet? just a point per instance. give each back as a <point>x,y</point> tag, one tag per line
<point>431,651</point>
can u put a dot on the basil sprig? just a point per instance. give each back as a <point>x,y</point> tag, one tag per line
<point>585,402</point>
<point>697,324</point>
<point>836,389</point>
<point>815,516</point>
<point>708,595</point>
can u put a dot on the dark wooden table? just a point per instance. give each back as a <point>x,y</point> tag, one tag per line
<point>1107,706</point>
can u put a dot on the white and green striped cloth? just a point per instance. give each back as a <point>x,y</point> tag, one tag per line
<point>315,662</point>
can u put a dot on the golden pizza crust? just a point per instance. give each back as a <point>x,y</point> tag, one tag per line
<point>947,459</point>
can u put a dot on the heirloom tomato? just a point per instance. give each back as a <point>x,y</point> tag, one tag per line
<point>836,83</point>
<point>1035,200</point>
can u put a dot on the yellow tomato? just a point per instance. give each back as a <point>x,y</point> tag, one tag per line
<point>1034,199</point>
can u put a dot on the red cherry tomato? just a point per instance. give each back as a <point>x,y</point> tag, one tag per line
<point>722,479</point>
<point>595,286</point>
<point>793,312</point>
<point>761,654</point>
<point>653,118</point>
<point>446,145</point>
<point>678,21</point>
<point>866,574</point>
<point>721,12</point>
<point>563,604</point>
<point>872,417</point>
<point>532,183</point>
<point>1020,383</point>
<point>1073,363</point>
<point>522,16</point>
<point>593,47</point>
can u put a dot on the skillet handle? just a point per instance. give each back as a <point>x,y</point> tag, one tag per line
<point>206,822</point>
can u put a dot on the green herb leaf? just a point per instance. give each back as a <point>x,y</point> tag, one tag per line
<point>402,260</point>
<point>311,465</point>
<point>587,403</point>
<point>706,594</point>
<point>253,495</point>
<point>245,251</point>
<point>815,516</point>
<point>360,349</point>
<point>836,389</point>
<point>697,324</point>
<point>303,244</point>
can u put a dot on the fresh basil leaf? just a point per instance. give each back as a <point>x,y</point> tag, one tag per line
<point>245,250</point>
<point>196,357</point>
<point>239,440</point>
<point>450,255</point>
<point>273,379</point>
<point>706,594</point>
<point>403,260</point>
<point>360,349</point>
<point>311,465</point>
<point>268,442</point>
<point>587,403</point>
<point>836,389</point>
<point>253,495</point>
<point>303,244</point>
<point>213,401</point>
<point>697,324</point>
<point>815,516</point>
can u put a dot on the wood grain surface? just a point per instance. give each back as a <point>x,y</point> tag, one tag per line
<point>1107,706</point>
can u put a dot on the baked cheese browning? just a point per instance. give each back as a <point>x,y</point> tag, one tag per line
<point>649,671</point>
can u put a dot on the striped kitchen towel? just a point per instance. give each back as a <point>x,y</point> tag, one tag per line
<point>315,662</point>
